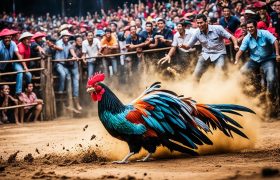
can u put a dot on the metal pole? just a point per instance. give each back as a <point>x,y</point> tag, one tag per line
<point>80,8</point>
<point>14,8</point>
<point>62,8</point>
<point>101,4</point>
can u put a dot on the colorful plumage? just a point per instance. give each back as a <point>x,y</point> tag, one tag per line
<point>161,117</point>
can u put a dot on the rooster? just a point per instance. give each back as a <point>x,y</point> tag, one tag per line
<point>161,117</point>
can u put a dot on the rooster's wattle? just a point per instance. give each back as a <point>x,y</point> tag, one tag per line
<point>161,117</point>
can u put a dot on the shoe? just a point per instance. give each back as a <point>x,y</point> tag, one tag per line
<point>77,104</point>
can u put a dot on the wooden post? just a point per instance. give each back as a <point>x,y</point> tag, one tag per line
<point>43,88</point>
<point>47,89</point>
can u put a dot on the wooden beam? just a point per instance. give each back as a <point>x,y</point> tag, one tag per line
<point>29,70</point>
<point>17,106</point>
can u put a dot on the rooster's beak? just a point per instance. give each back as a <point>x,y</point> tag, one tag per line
<point>90,90</point>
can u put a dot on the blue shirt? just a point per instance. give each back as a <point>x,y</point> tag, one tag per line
<point>231,24</point>
<point>166,33</point>
<point>146,35</point>
<point>262,48</point>
<point>212,43</point>
<point>64,53</point>
<point>136,41</point>
<point>7,54</point>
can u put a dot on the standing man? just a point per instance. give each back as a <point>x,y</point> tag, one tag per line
<point>90,48</point>
<point>62,52</point>
<point>109,45</point>
<point>180,38</point>
<point>134,42</point>
<point>73,67</point>
<point>148,34</point>
<point>213,48</point>
<point>163,36</point>
<point>261,44</point>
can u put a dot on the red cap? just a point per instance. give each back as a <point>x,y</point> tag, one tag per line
<point>259,4</point>
<point>82,29</point>
<point>39,34</point>
<point>99,26</point>
<point>7,32</point>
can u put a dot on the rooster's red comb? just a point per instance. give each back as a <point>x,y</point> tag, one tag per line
<point>97,77</point>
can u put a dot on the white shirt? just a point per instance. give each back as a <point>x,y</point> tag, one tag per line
<point>212,43</point>
<point>92,50</point>
<point>178,40</point>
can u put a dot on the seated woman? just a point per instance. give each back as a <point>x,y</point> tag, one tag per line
<point>29,97</point>
<point>6,100</point>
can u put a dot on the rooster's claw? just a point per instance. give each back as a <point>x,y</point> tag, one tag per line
<point>120,162</point>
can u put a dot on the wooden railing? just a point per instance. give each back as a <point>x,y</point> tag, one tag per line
<point>46,79</point>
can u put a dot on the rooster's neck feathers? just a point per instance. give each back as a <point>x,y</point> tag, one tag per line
<point>110,102</point>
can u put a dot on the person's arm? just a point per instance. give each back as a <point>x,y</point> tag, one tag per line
<point>103,13</point>
<point>18,55</point>
<point>131,47</point>
<point>73,53</point>
<point>224,33</point>
<point>115,44</point>
<point>21,52</point>
<point>276,46</point>
<point>237,56</point>
<point>13,99</point>
<point>40,50</point>
<point>168,40</point>
<point>235,43</point>
<point>25,66</point>
<point>243,48</point>
<point>191,42</point>
<point>168,56</point>
<point>39,101</point>
<point>273,41</point>
<point>182,4</point>
<point>153,45</point>
<point>56,47</point>
<point>142,43</point>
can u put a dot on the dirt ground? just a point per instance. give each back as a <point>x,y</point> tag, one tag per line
<point>82,149</point>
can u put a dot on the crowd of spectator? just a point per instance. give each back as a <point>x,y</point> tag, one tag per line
<point>220,27</point>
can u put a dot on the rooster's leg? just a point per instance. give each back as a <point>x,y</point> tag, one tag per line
<point>145,158</point>
<point>125,159</point>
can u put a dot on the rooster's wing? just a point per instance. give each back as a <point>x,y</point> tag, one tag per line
<point>180,121</point>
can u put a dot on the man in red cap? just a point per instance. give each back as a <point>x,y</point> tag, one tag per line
<point>7,49</point>
<point>37,45</point>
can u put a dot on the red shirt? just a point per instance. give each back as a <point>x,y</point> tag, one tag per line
<point>24,50</point>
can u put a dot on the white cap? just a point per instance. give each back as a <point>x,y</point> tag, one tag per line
<point>248,11</point>
<point>65,33</point>
<point>24,35</point>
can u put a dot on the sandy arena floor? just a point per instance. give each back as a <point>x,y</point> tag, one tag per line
<point>81,149</point>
